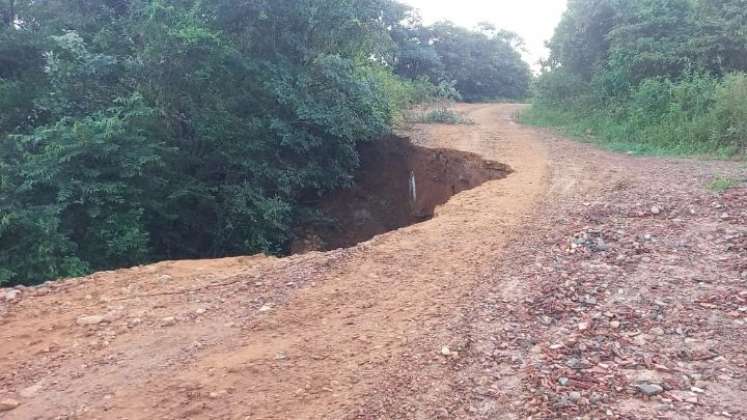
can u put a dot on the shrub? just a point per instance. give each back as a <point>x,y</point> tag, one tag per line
<point>698,114</point>
<point>730,112</point>
<point>401,95</point>
<point>444,116</point>
<point>78,200</point>
<point>559,87</point>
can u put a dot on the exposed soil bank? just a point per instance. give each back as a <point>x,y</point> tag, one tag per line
<point>397,185</point>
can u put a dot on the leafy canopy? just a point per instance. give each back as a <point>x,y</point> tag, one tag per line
<point>662,73</point>
<point>141,130</point>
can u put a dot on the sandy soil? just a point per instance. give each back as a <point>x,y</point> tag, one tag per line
<point>584,285</point>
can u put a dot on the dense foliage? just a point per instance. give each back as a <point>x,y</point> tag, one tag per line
<point>484,64</point>
<point>139,130</point>
<point>649,75</point>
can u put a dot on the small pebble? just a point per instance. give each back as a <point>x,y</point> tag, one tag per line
<point>90,320</point>
<point>650,389</point>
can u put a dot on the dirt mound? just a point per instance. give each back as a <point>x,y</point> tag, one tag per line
<point>398,184</point>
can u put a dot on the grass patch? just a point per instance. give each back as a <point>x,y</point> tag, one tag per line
<point>668,138</point>
<point>722,184</point>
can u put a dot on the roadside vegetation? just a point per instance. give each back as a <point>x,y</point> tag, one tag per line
<point>722,184</point>
<point>140,130</point>
<point>438,108</point>
<point>649,76</point>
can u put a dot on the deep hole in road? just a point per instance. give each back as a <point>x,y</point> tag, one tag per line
<point>398,184</point>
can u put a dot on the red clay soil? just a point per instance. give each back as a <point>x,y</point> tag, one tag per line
<point>585,284</point>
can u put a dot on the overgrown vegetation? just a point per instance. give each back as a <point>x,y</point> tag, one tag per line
<point>649,76</point>
<point>439,107</point>
<point>140,130</point>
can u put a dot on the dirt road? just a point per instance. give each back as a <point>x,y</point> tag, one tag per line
<point>585,283</point>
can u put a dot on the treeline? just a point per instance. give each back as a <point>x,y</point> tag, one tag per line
<point>661,76</point>
<point>140,130</point>
<point>483,64</point>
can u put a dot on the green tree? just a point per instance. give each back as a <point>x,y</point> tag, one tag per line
<point>656,74</point>
<point>484,64</point>
<point>652,38</point>
<point>140,130</point>
<point>581,42</point>
<point>722,37</point>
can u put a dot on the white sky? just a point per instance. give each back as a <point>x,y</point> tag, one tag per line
<point>533,20</point>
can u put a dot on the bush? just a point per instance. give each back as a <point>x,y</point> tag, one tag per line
<point>730,112</point>
<point>559,87</point>
<point>77,199</point>
<point>444,116</point>
<point>437,108</point>
<point>402,95</point>
<point>698,114</point>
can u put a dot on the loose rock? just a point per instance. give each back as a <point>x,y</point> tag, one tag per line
<point>168,321</point>
<point>90,320</point>
<point>650,389</point>
<point>8,404</point>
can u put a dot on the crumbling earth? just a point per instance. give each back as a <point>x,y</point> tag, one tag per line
<point>586,284</point>
<point>398,184</point>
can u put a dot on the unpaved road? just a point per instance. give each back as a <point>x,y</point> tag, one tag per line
<point>563,290</point>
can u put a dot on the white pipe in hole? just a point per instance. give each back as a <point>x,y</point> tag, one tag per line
<point>413,188</point>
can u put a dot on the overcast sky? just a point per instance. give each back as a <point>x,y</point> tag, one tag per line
<point>533,20</point>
